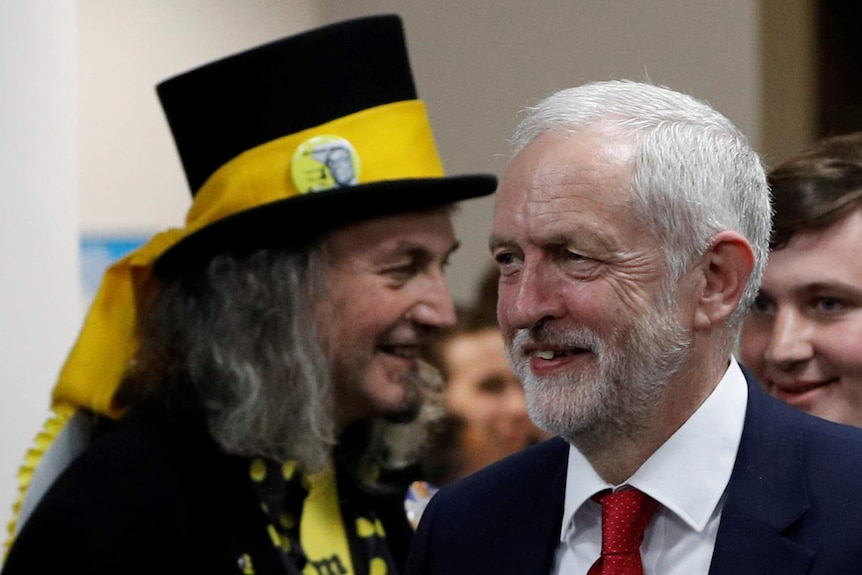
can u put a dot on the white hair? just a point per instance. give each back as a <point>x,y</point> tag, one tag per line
<point>695,174</point>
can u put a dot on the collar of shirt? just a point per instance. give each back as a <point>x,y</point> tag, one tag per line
<point>715,428</point>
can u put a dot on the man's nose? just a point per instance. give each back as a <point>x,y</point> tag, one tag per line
<point>791,339</point>
<point>435,308</point>
<point>531,297</point>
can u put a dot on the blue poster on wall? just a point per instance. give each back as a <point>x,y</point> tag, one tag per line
<point>98,251</point>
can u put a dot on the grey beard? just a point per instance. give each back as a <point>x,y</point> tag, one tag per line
<point>592,410</point>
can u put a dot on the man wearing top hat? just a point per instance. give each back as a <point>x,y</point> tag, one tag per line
<point>252,380</point>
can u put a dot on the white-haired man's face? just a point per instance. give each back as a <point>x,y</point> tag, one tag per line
<point>590,326</point>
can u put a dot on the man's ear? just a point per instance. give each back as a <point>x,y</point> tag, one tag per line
<point>725,268</point>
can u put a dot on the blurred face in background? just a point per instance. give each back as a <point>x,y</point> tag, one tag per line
<point>803,337</point>
<point>483,392</point>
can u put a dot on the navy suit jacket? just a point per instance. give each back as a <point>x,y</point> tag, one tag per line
<point>794,505</point>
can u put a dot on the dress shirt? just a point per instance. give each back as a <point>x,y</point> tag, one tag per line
<point>687,475</point>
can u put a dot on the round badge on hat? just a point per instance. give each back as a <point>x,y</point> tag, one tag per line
<point>323,163</point>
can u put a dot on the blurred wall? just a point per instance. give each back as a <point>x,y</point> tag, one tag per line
<point>475,64</point>
<point>39,312</point>
<point>789,92</point>
<point>131,177</point>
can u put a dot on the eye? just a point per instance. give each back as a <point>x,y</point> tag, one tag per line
<point>574,256</point>
<point>403,270</point>
<point>575,264</point>
<point>828,304</point>
<point>762,305</point>
<point>508,262</point>
<point>494,385</point>
<point>503,258</point>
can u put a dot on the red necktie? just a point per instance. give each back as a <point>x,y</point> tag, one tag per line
<point>625,515</point>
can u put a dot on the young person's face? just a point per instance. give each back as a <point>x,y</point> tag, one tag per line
<point>483,392</point>
<point>803,336</point>
<point>386,295</point>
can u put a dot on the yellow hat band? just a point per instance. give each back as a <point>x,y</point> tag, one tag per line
<point>389,142</point>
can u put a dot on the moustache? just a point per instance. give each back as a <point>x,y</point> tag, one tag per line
<point>556,338</point>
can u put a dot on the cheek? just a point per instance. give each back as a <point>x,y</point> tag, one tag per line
<point>347,330</point>
<point>459,400</point>
<point>367,322</point>
<point>505,300</point>
<point>751,352</point>
<point>473,407</point>
<point>752,345</point>
<point>621,299</point>
<point>376,307</point>
<point>842,347</point>
<point>488,410</point>
<point>600,308</point>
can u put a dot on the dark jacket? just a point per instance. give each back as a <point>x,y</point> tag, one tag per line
<point>154,494</point>
<point>794,505</point>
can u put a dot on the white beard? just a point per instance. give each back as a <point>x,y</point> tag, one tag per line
<point>619,395</point>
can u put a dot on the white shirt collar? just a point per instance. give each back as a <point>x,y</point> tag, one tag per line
<point>678,475</point>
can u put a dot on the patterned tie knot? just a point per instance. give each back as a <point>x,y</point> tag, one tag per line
<point>625,515</point>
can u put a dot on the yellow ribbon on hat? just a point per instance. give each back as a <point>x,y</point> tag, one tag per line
<point>394,141</point>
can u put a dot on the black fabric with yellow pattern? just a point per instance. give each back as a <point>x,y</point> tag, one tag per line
<point>283,491</point>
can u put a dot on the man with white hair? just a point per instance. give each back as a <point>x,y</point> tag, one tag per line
<point>631,232</point>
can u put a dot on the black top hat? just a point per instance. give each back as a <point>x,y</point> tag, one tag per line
<point>290,139</point>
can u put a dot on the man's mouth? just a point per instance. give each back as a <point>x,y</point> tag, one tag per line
<point>549,354</point>
<point>799,392</point>
<point>406,351</point>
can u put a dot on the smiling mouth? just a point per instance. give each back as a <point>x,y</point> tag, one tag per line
<point>548,354</point>
<point>402,351</point>
<point>799,392</point>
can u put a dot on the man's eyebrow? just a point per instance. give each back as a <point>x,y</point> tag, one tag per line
<point>558,239</point>
<point>496,241</point>
<point>843,288</point>
<point>416,248</point>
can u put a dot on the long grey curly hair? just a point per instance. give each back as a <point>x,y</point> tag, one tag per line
<point>238,337</point>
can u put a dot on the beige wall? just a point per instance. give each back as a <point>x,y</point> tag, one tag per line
<point>789,61</point>
<point>131,178</point>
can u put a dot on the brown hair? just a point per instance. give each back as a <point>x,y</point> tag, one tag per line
<point>816,188</point>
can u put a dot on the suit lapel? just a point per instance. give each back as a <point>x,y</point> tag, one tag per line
<point>765,496</point>
<point>527,529</point>
<point>540,539</point>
